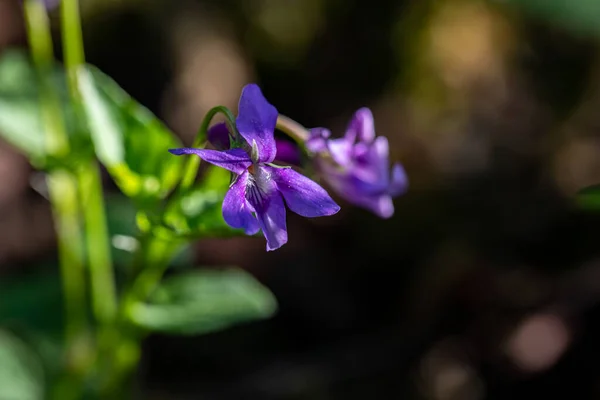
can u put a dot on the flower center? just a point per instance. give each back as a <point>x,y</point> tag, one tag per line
<point>259,187</point>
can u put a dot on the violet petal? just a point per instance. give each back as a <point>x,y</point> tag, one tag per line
<point>362,126</point>
<point>271,218</point>
<point>399,181</point>
<point>371,162</point>
<point>234,160</point>
<point>287,152</point>
<point>218,136</point>
<point>341,150</point>
<point>236,210</point>
<point>256,122</point>
<point>317,141</point>
<point>302,195</point>
<point>382,206</point>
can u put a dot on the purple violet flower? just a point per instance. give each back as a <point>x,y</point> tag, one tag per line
<point>255,201</point>
<point>287,152</point>
<point>358,166</point>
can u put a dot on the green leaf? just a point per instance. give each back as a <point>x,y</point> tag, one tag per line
<point>589,198</point>
<point>124,233</point>
<point>21,370</point>
<point>129,140</point>
<point>106,132</point>
<point>20,113</point>
<point>20,124</point>
<point>205,301</point>
<point>580,16</point>
<point>20,121</point>
<point>197,213</point>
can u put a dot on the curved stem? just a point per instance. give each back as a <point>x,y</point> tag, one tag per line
<point>300,135</point>
<point>293,129</point>
<point>191,168</point>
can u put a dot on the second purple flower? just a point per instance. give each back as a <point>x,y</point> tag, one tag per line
<point>357,166</point>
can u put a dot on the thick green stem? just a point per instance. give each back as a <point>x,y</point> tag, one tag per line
<point>104,302</point>
<point>62,188</point>
<point>98,245</point>
<point>40,40</point>
<point>63,196</point>
<point>191,168</point>
<point>61,185</point>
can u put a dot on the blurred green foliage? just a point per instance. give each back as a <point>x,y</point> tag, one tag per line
<point>589,198</point>
<point>20,113</point>
<point>130,141</point>
<point>21,371</point>
<point>205,301</point>
<point>580,16</point>
<point>197,213</point>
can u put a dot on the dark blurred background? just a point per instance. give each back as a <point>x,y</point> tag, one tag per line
<point>486,282</point>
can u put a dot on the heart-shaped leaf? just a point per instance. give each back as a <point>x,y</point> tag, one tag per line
<point>204,301</point>
<point>129,140</point>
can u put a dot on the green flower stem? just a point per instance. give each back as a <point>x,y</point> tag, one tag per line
<point>293,129</point>
<point>191,168</point>
<point>61,185</point>
<point>63,196</point>
<point>300,135</point>
<point>98,247</point>
<point>104,303</point>
<point>40,40</point>
<point>72,43</point>
<point>154,254</point>
<point>62,188</point>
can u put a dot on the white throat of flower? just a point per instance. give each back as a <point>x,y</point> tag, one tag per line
<point>259,186</point>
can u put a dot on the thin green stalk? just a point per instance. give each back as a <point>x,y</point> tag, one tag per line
<point>300,135</point>
<point>293,129</point>
<point>154,254</point>
<point>191,168</point>
<point>72,43</point>
<point>40,40</point>
<point>61,185</point>
<point>158,253</point>
<point>104,302</point>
